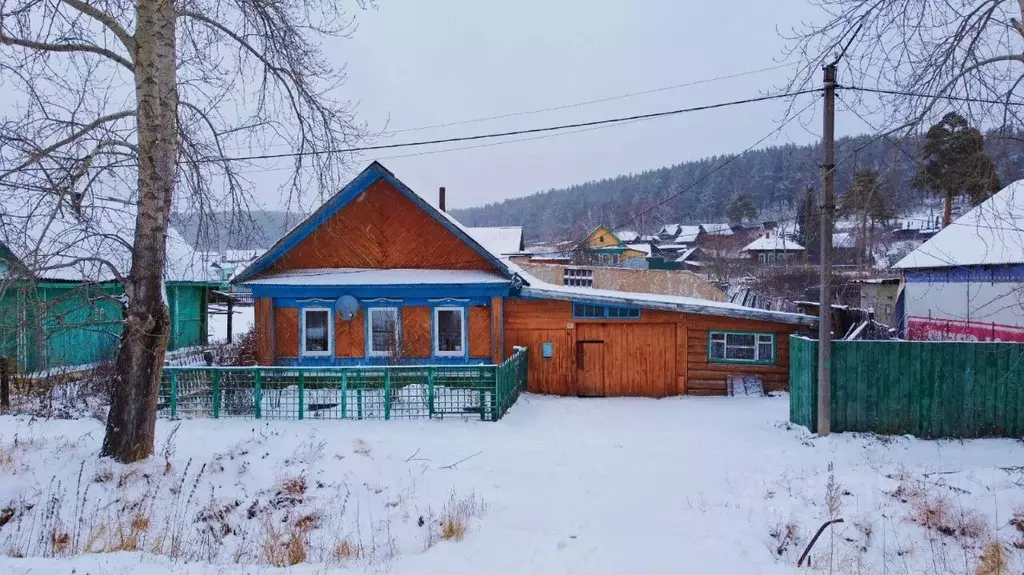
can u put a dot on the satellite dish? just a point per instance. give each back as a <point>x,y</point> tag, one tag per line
<point>346,306</point>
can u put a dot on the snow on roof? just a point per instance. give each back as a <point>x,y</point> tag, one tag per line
<point>717,229</point>
<point>991,233</point>
<point>241,255</point>
<point>365,276</point>
<point>682,233</point>
<point>46,235</point>
<point>627,236</point>
<point>544,290</point>
<point>843,240</point>
<point>683,304</point>
<point>772,243</point>
<point>641,247</point>
<point>499,240</point>
<point>685,255</point>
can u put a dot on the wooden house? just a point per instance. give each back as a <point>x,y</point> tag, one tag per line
<point>772,249</point>
<point>60,294</point>
<point>603,248</point>
<point>343,289</point>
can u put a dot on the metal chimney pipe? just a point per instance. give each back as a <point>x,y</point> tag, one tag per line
<point>440,199</point>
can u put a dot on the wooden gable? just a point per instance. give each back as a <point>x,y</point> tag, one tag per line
<point>602,237</point>
<point>381,228</point>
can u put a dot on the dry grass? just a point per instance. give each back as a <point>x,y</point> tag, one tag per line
<point>933,513</point>
<point>786,535</point>
<point>284,549</point>
<point>345,551</point>
<point>454,521</point>
<point>995,560</point>
<point>361,447</point>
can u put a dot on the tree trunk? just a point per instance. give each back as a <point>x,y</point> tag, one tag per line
<point>947,211</point>
<point>132,419</point>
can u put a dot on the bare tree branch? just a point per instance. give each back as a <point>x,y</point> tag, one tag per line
<point>66,47</point>
<point>127,40</point>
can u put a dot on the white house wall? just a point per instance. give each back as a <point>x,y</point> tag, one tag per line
<point>965,311</point>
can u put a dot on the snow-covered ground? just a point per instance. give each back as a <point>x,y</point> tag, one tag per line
<point>242,322</point>
<point>560,485</point>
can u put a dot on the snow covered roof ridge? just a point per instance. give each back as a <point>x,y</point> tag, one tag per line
<point>90,242</point>
<point>772,242</point>
<point>991,233</point>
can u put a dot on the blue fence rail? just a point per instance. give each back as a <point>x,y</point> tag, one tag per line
<point>384,392</point>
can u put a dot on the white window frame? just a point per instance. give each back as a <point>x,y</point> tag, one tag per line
<point>330,332</point>
<point>760,338</point>
<point>437,338</point>
<point>369,330</point>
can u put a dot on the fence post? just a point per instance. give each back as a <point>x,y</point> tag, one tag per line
<point>359,403</point>
<point>216,394</point>
<point>387,394</point>
<point>430,392</point>
<point>5,385</point>
<point>344,394</point>
<point>496,397</point>
<point>174,393</point>
<point>302,394</point>
<point>258,393</point>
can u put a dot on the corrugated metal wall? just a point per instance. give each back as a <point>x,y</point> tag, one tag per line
<point>928,389</point>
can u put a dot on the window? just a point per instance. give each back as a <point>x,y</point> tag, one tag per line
<point>578,277</point>
<point>316,331</point>
<point>449,331</point>
<point>762,259</point>
<point>741,347</point>
<point>591,311</point>
<point>383,326</point>
<point>888,310</point>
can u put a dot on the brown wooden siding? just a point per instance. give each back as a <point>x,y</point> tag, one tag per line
<point>662,353</point>
<point>286,331</point>
<point>263,331</point>
<point>708,378</point>
<point>497,330</point>
<point>383,229</point>
<point>639,359</point>
<point>350,336</point>
<point>416,341</point>
<point>479,331</point>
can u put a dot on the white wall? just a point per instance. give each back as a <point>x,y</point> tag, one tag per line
<point>977,311</point>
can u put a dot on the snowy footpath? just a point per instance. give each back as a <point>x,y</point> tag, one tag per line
<point>588,486</point>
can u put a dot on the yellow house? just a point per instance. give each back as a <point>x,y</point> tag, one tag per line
<point>603,247</point>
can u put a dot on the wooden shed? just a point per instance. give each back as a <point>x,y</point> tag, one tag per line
<point>603,343</point>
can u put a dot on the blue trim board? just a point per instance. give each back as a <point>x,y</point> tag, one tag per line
<point>365,361</point>
<point>374,172</point>
<point>991,274</point>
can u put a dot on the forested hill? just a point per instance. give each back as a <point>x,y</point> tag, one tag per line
<point>775,177</point>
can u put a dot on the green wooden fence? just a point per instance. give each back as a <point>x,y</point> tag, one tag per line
<point>365,392</point>
<point>926,389</point>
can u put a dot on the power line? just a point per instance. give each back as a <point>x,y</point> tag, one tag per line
<point>546,129</point>
<point>909,94</point>
<point>590,102</point>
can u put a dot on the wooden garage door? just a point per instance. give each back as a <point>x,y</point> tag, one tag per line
<point>639,359</point>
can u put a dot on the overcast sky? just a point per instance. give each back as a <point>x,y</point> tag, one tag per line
<point>413,63</point>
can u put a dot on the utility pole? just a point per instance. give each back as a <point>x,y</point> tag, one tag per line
<point>828,201</point>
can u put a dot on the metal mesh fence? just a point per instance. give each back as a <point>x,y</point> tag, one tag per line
<point>386,392</point>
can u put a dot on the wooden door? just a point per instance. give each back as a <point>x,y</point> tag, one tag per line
<point>590,368</point>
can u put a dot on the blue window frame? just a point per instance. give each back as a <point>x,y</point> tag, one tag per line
<point>595,311</point>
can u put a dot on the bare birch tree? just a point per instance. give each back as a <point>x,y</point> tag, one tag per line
<point>147,101</point>
<point>926,55</point>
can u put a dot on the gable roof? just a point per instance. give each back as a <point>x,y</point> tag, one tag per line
<point>372,174</point>
<point>601,230</point>
<point>992,233</point>
<point>500,240</point>
<point>682,233</point>
<point>54,242</point>
<point>774,243</point>
<point>717,229</point>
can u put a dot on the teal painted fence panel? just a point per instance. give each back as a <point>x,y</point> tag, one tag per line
<point>927,389</point>
<point>803,381</point>
<point>370,392</point>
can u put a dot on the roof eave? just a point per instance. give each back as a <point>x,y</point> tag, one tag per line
<point>750,313</point>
